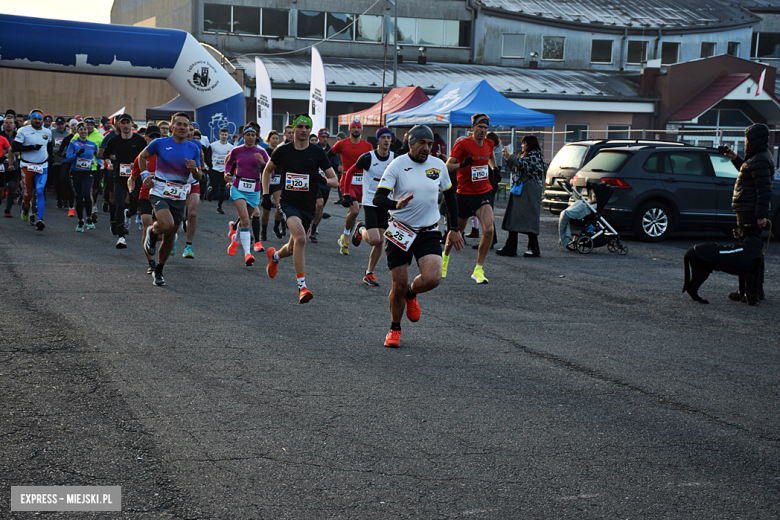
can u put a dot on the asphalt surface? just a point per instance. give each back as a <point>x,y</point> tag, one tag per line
<point>571,386</point>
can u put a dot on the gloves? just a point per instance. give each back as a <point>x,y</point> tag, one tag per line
<point>467,162</point>
<point>346,200</point>
<point>266,202</point>
<point>38,146</point>
<point>81,151</point>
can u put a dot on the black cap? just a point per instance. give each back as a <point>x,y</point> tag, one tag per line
<point>60,119</point>
<point>153,130</point>
<point>124,116</point>
<point>104,120</point>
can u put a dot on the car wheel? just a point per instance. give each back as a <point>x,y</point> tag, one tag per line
<point>653,222</point>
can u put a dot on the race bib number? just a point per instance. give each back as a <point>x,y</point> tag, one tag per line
<point>297,182</point>
<point>219,161</point>
<point>57,141</point>
<point>357,179</point>
<point>84,164</point>
<point>479,173</point>
<point>276,179</point>
<point>125,170</point>
<point>400,235</point>
<point>170,190</point>
<point>247,185</point>
<point>35,168</point>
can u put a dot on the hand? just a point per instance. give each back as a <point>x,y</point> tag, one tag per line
<point>228,178</point>
<point>404,201</point>
<point>149,182</point>
<point>38,146</point>
<point>761,222</point>
<point>81,151</point>
<point>456,239</point>
<point>346,200</point>
<point>266,202</point>
<point>260,158</point>
<point>468,161</point>
<point>109,165</point>
<point>731,154</point>
<point>191,164</point>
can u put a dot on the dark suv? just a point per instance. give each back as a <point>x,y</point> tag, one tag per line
<point>573,156</point>
<point>662,188</point>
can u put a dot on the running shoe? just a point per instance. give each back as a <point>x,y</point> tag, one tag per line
<point>40,225</point>
<point>357,236</point>
<point>393,339</point>
<point>272,266</point>
<point>343,245</point>
<point>259,247</point>
<point>33,218</point>
<point>25,214</point>
<point>371,280</point>
<point>233,247</point>
<point>71,212</point>
<point>445,261</point>
<point>158,279</point>
<point>220,210</point>
<point>263,237</point>
<point>249,260</point>
<point>105,206</point>
<point>479,275</point>
<point>232,231</point>
<point>413,309</point>
<point>80,227</point>
<point>8,214</point>
<point>313,237</point>
<point>305,296</point>
<point>277,232</point>
<point>150,242</point>
<point>152,265</point>
<point>188,252</point>
<point>121,243</point>
<point>90,225</point>
<point>94,216</point>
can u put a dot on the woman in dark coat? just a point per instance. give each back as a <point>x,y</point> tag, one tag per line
<point>523,211</point>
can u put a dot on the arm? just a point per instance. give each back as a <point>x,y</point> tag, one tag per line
<point>19,147</point>
<point>71,155</point>
<point>452,165</point>
<point>762,178</point>
<point>451,204</point>
<point>332,181</point>
<point>229,163</point>
<point>268,172</point>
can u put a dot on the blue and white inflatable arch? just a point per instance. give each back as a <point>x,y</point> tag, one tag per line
<point>123,50</point>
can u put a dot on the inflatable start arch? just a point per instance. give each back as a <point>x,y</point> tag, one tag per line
<point>122,50</point>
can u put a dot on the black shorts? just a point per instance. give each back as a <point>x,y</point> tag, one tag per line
<point>469,204</point>
<point>288,210</point>
<point>144,207</point>
<point>375,217</point>
<point>426,243</point>
<point>176,207</point>
<point>324,194</point>
<point>273,188</point>
<point>108,180</point>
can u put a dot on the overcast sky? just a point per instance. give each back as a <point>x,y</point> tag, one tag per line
<point>98,11</point>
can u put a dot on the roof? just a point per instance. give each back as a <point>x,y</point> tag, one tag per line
<point>674,14</point>
<point>709,97</point>
<point>166,110</point>
<point>350,74</point>
<point>396,100</point>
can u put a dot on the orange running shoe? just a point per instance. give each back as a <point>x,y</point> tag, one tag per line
<point>233,245</point>
<point>393,339</point>
<point>413,310</point>
<point>305,295</point>
<point>259,247</point>
<point>249,259</point>
<point>71,212</point>
<point>232,230</point>
<point>272,266</point>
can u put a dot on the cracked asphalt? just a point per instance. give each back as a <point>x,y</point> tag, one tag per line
<point>571,386</point>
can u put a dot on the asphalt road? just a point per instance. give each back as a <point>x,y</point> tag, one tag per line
<point>571,386</point>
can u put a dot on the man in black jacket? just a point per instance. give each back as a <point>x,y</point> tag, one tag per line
<point>753,189</point>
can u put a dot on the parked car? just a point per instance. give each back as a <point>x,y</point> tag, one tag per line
<point>569,159</point>
<point>659,189</point>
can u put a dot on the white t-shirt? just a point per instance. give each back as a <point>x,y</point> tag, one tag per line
<point>372,176</point>
<point>219,153</point>
<point>403,176</point>
<point>27,135</point>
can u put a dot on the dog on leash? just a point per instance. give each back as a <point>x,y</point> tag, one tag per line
<point>743,260</point>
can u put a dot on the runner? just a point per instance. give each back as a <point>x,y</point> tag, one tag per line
<point>349,149</point>
<point>80,156</point>
<point>193,199</point>
<point>280,226</point>
<point>249,161</point>
<point>134,184</point>
<point>35,144</point>
<point>219,153</point>
<point>414,181</point>
<point>372,165</point>
<point>322,198</point>
<point>57,165</point>
<point>301,162</point>
<point>471,158</point>
<point>11,166</point>
<point>177,160</point>
<point>122,150</point>
<point>275,188</point>
<point>6,167</point>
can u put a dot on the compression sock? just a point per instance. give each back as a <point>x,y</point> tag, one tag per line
<point>256,228</point>
<point>265,229</point>
<point>245,237</point>
<point>301,280</point>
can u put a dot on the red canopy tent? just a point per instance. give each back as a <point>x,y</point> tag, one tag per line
<point>396,100</point>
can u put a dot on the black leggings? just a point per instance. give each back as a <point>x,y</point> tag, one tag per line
<point>81,181</point>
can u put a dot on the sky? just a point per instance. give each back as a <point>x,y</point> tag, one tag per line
<point>98,11</point>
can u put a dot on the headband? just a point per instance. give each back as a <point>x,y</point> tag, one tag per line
<point>383,131</point>
<point>303,118</point>
<point>249,129</point>
<point>36,115</point>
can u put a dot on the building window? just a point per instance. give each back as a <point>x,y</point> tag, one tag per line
<point>552,48</point>
<point>427,31</point>
<point>765,45</point>
<point>576,133</point>
<point>430,32</point>
<point>513,46</point>
<point>618,132</point>
<point>601,51</point>
<point>451,33</point>
<point>369,29</point>
<point>407,30</point>
<point>246,20</point>
<point>637,52</point>
<point>311,24</point>
<point>707,49</point>
<point>733,49</point>
<point>275,22</point>
<point>670,53</point>
<point>217,17</point>
<point>339,26</point>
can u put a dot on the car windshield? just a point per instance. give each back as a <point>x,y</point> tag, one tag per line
<point>607,161</point>
<point>569,157</point>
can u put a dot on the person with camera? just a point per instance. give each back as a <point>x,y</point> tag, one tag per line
<point>752,190</point>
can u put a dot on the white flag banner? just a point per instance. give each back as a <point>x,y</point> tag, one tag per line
<point>317,91</point>
<point>264,99</point>
<point>760,88</point>
<point>118,112</point>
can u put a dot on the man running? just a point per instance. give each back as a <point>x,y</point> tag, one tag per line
<point>144,206</point>
<point>471,158</point>
<point>12,166</point>
<point>322,198</point>
<point>193,199</point>
<point>415,180</point>
<point>350,149</point>
<point>177,159</point>
<point>301,162</point>
<point>219,153</point>
<point>35,144</point>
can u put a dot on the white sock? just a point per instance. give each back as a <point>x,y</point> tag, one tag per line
<point>275,257</point>
<point>347,232</point>
<point>301,282</point>
<point>245,240</point>
<point>475,222</point>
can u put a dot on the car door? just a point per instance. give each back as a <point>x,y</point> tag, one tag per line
<point>725,177</point>
<point>691,186</point>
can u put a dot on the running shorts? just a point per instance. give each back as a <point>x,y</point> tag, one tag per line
<point>426,243</point>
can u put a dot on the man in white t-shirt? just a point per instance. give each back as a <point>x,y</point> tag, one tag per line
<point>36,145</point>
<point>219,152</point>
<point>414,181</point>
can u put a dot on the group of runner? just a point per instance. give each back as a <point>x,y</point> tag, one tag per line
<point>158,176</point>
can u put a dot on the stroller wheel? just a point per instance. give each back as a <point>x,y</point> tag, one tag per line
<point>584,245</point>
<point>612,245</point>
<point>572,245</point>
<point>622,249</point>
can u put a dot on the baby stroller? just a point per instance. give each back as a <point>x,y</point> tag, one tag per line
<point>596,231</point>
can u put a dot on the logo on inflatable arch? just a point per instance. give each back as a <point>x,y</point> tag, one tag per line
<point>201,79</point>
<point>219,121</point>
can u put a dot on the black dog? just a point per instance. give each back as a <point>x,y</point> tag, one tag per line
<point>744,259</point>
